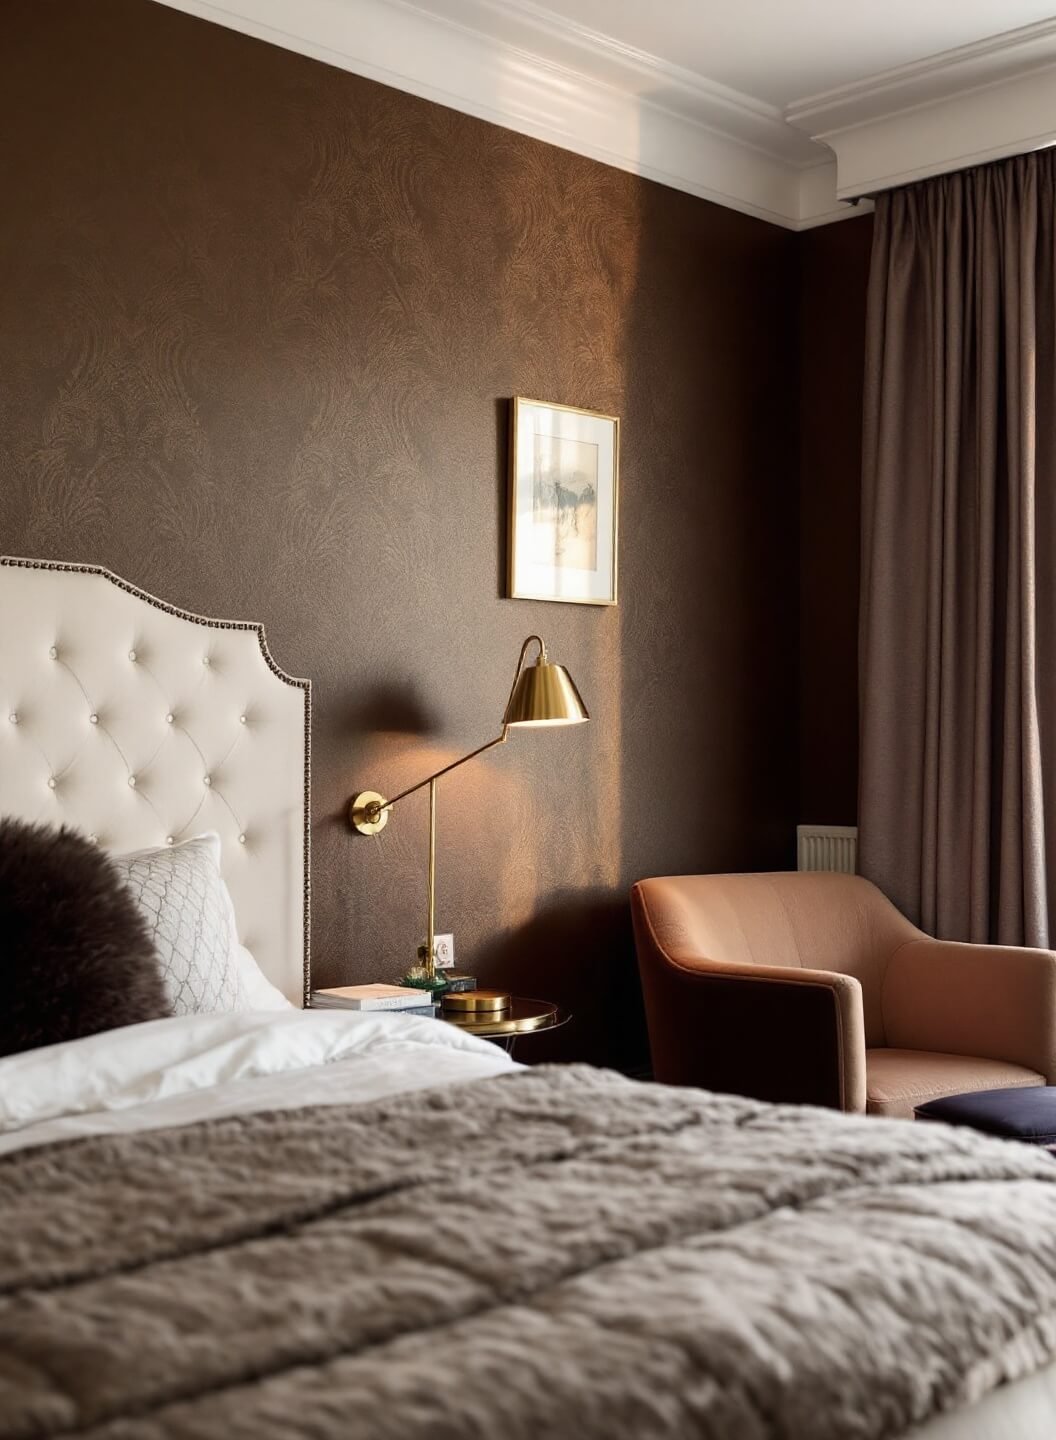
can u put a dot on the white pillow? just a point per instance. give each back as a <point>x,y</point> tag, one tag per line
<point>183,898</point>
<point>257,989</point>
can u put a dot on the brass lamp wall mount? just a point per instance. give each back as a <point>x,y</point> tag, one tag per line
<point>368,812</point>
<point>542,694</point>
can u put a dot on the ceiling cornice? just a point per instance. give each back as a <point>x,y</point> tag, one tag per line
<point>1001,57</point>
<point>973,104</point>
<point>650,79</point>
<point>631,111</point>
<point>517,64</point>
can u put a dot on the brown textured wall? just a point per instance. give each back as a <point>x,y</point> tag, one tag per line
<point>260,320</point>
<point>834,273</point>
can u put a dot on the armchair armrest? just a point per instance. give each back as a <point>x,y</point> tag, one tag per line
<point>995,1001</point>
<point>774,1033</point>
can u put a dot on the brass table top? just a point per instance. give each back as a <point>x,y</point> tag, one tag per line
<point>522,1017</point>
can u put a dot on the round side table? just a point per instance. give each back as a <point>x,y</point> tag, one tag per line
<point>505,1027</point>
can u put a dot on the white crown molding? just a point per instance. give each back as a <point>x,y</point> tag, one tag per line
<point>818,204</point>
<point>651,80</point>
<point>658,122</point>
<point>953,72</point>
<point>517,64</point>
<point>964,107</point>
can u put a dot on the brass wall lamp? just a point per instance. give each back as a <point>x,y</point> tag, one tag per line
<point>542,694</point>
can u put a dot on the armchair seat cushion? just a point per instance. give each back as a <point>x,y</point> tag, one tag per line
<point>897,1081</point>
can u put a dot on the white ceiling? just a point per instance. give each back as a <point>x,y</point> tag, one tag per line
<point>781,51</point>
<point>784,109</point>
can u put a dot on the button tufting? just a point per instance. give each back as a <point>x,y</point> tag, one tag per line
<point>169,719</point>
<point>169,840</point>
<point>13,719</point>
<point>93,719</point>
<point>51,782</point>
<point>241,839</point>
<point>132,781</point>
<point>131,654</point>
<point>206,660</point>
<point>208,780</point>
<point>53,653</point>
<point>241,719</point>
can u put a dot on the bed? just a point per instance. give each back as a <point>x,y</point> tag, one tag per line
<point>286,1222</point>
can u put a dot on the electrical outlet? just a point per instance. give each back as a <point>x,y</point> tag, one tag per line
<point>445,952</point>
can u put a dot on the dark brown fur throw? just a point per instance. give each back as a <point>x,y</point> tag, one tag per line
<point>75,954</point>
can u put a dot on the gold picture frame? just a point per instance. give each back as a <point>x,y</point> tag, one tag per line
<point>564,486</point>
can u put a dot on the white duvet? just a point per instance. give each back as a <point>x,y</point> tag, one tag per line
<point>171,1072</point>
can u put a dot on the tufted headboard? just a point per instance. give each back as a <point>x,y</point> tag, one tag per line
<point>141,724</point>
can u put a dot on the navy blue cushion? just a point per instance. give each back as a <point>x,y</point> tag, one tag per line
<point>1028,1114</point>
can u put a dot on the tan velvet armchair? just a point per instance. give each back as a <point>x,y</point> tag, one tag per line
<point>814,989</point>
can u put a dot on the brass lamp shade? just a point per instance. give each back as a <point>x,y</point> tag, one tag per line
<point>545,695</point>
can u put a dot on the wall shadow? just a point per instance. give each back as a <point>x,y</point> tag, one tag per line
<point>394,707</point>
<point>709,720</point>
<point>577,949</point>
<point>833,281</point>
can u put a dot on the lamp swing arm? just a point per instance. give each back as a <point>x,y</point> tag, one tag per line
<point>376,808</point>
<point>373,810</point>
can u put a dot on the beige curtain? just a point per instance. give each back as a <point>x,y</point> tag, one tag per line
<point>957,804</point>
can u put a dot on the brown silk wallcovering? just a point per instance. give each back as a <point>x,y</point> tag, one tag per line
<point>260,320</point>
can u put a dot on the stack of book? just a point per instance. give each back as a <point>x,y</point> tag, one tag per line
<point>403,998</point>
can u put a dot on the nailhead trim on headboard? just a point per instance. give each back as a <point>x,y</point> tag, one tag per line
<point>217,624</point>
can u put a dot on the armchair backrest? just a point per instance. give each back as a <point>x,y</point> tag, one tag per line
<point>840,923</point>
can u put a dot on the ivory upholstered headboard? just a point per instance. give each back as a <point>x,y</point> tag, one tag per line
<point>141,724</point>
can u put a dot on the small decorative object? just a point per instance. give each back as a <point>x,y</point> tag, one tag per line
<point>423,976</point>
<point>445,952</point>
<point>457,983</point>
<point>492,1002</point>
<point>542,695</point>
<point>564,478</point>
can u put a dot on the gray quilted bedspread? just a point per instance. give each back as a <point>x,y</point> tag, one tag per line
<point>555,1253</point>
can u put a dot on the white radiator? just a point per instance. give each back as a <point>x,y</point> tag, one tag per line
<point>827,847</point>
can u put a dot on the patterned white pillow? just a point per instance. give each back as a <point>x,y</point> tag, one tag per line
<point>183,898</point>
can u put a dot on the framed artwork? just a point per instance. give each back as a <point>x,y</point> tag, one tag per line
<point>564,481</point>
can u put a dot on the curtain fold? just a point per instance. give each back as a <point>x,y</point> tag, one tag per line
<point>957,796</point>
